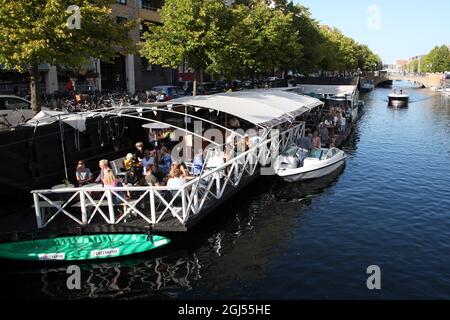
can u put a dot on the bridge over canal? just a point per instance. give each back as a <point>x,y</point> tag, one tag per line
<point>427,80</point>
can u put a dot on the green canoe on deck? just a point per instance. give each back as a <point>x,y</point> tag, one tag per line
<point>81,247</point>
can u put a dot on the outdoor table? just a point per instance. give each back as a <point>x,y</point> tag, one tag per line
<point>62,186</point>
<point>62,196</point>
<point>92,185</point>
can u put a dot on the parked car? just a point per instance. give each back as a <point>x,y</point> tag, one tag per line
<point>166,93</point>
<point>221,85</point>
<point>207,88</point>
<point>447,75</point>
<point>14,111</point>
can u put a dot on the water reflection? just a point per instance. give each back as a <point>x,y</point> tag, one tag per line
<point>158,278</point>
<point>235,245</point>
<point>304,192</point>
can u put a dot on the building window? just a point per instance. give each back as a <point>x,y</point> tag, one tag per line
<point>123,2</point>
<point>122,20</point>
<point>154,5</point>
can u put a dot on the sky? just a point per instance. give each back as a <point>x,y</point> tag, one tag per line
<point>394,29</point>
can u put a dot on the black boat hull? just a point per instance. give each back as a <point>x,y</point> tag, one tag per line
<point>33,159</point>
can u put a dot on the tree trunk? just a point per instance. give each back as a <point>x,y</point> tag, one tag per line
<point>194,85</point>
<point>34,88</point>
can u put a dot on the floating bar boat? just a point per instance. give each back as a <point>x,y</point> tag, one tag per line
<point>273,118</point>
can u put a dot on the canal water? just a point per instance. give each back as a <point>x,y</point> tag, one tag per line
<point>389,207</point>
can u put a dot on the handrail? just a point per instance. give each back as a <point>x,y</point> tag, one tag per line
<point>156,205</point>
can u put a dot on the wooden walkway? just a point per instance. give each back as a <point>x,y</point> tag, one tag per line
<point>23,226</point>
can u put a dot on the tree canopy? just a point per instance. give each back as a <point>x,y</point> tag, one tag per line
<point>250,37</point>
<point>35,31</point>
<point>437,60</point>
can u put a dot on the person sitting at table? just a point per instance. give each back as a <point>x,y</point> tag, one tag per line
<point>165,161</point>
<point>110,181</point>
<point>305,142</point>
<point>134,177</point>
<point>316,143</point>
<point>128,162</point>
<point>147,160</point>
<point>150,177</point>
<point>176,180</point>
<point>323,132</point>
<point>83,174</point>
<point>198,162</point>
<point>182,167</point>
<point>139,153</point>
<point>343,122</point>
<point>336,120</point>
<point>103,165</point>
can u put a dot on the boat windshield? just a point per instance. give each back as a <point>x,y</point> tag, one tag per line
<point>291,151</point>
<point>317,153</point>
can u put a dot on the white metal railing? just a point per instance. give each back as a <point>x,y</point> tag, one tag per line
<point>155,205</point>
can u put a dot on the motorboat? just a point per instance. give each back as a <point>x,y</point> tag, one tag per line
<point>298,164</point>
<point>367,86</point>
<point>398,99</point>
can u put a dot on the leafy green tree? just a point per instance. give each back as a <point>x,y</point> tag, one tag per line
<point>35,31</point>
<point>224,40</point>
<point>250,37</point>
<point>272,40</point>
<point>310,37</point>
<point>438,60</point>
<point>180,38</point>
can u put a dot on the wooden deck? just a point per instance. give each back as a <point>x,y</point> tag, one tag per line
<point>23,226</point>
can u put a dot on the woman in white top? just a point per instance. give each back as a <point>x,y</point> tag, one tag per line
<point>176,180</point>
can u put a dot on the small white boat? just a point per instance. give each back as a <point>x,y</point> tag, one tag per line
<point>398,100</point>
<point>297,164</point>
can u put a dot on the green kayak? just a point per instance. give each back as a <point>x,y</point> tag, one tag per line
<point>81,247</point>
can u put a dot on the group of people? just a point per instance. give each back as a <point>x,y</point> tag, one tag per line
<point>310,141</point>
<point>143,168</point>
<point>334,123</point>
<point>336,118</point>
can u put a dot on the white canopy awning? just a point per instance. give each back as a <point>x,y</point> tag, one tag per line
<point>255,106</point>
<point>331,90</point>
<point>75,120</point>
